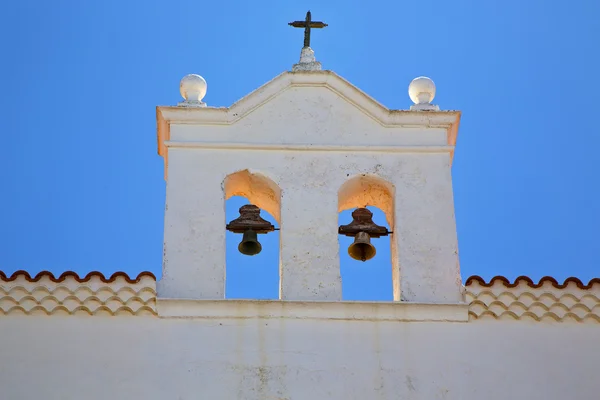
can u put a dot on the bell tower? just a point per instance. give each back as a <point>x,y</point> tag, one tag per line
<point>303,147</point>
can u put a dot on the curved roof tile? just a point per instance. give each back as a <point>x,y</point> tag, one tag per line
<point>529,282</point>
<point>469,281</point>
<point>74,275</point>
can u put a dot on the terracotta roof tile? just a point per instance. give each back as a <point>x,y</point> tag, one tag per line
<point>69,294</point>
<point>469,281</point>
<point>547,300</point>
<point>95,294</point>
<point>75,276</point>
<point>529,282</point>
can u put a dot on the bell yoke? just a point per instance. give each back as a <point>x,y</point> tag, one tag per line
<point>362,228</point>
<point>250,223</point>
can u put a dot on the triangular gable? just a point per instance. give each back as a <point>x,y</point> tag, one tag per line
<point>350,95</point>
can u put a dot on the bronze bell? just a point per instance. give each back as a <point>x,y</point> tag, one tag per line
<point>362,249</point>
<point>250,224</point>
<point>362,228</point>
<point>250,245</point>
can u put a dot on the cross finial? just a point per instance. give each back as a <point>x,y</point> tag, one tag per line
<point>307,24</point>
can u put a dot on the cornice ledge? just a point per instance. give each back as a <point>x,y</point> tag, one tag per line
<point>310,147</point>
<point>313,310</point>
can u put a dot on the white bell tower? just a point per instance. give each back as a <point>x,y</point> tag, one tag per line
<point>304,147</point>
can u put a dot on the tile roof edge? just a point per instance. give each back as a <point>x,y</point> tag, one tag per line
<point>469,281</point>
<point>529,282</point>
<point>75,276</point>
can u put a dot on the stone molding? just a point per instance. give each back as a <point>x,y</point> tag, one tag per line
<point>320,310</point>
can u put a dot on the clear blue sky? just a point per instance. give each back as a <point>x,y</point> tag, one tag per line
<point>83,185</point>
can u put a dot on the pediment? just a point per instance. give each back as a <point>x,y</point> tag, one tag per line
<point>313,79</point>
<point>306,109</point>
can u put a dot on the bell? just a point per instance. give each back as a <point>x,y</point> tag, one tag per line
<point>249,245</point>
<point>362,249</point>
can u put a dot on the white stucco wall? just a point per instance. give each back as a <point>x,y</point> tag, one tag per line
<point>309,134</point>
<point>97,337</point>
<point>305,356</point>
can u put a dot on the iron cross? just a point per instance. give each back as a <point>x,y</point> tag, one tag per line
<point>307,24</point>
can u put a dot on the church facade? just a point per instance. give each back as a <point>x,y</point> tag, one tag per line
<point>303,147</point>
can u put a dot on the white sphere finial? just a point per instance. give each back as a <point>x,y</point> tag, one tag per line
<point>193,89</point>
<point>422,91</point>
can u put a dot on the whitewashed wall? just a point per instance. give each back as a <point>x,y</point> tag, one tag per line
<point>99,358</point>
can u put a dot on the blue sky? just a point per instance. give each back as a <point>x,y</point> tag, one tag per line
<point>83,185</point>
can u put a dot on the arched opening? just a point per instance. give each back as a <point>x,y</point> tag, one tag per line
<point>371,280</point>
<point>257,276</point>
